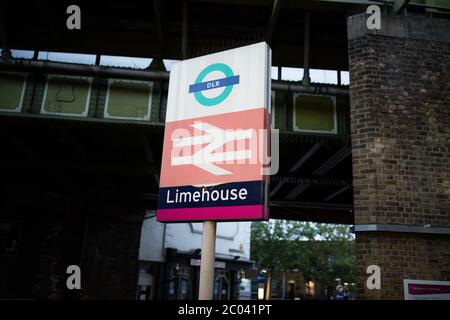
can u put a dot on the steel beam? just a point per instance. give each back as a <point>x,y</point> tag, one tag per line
<point>399,5</point>
<point>312,205</point>
<point>145,75</point>
<point>333,161</point>
<point>321,181</point>
<point>184,29</point>
<point>306,50</point>
<point>296,166</point>
<point>325,216</point>
<point>335,194</point>
<point>272,20</point>
<point>306,156</point>
<point>81,70</point>
<point>159,24</point>
<point>277,188</point>
<point>313,89</point>
<point>48,20</point>
<point>298,190</point>
<point>5,52</point>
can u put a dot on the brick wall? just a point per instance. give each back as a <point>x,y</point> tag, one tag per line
<point>400,127</point>
<point>400,256</point>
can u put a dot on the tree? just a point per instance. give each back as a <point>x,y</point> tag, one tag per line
<point>269,246</point>
<point>270,249</point>
<point>322,252</point>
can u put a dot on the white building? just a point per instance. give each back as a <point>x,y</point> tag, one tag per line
<point>169,257</point>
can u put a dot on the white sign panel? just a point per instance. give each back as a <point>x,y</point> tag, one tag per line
<point>215,138</point>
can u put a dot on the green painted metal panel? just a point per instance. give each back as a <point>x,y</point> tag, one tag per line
<point>277,112</point>
<point>129,100</point>
<point>314,113</point>
<point>12,87</point>
<point>435,3</point>
<point>364,2</point>
<point>66,96</point>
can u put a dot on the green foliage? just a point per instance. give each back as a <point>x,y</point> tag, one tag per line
<point>322,252</point>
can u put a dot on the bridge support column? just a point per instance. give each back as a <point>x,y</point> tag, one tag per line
<point>400,127</point>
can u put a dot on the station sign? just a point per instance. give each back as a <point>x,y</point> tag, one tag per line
<point>426,290</point>
<point>216,137</point>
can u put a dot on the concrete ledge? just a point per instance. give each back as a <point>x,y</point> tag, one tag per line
<point>401,228</point>
<point>418,28</point>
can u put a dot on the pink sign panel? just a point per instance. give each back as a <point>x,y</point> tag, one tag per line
<point>426,290</point>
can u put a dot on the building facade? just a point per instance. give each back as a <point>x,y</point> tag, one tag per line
<point>169,259</point>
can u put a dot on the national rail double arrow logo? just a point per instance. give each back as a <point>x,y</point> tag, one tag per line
<point>207,158</point>
<point>200,85</point>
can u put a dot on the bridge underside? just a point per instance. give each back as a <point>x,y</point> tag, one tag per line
<point>156,28</point>
<point>48,156</point>
<point>122,160</point>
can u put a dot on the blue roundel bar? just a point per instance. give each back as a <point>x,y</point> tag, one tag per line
<point>228,81</point>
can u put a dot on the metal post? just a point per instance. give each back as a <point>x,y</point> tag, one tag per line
<point>267,294</point>
<point>306,49</point>
<point>207,262</point>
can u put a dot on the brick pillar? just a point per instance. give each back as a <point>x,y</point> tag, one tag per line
<point>400,127</point>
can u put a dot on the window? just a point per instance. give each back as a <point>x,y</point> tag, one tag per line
<point>128,99</point>
<point>12,91</point>
<point>316,75</point>
<point>274,73</point>
<point>291,74</point>
<point>345,78</point>
<point>179,287</point>
<point>221,286</point>
<point>314,113</point>
<point>323,76</point>
<point>168,63</point>
<point>67,57</point>
<point>22,54</point>
<point>125,62</point>
<point>66,95</point>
